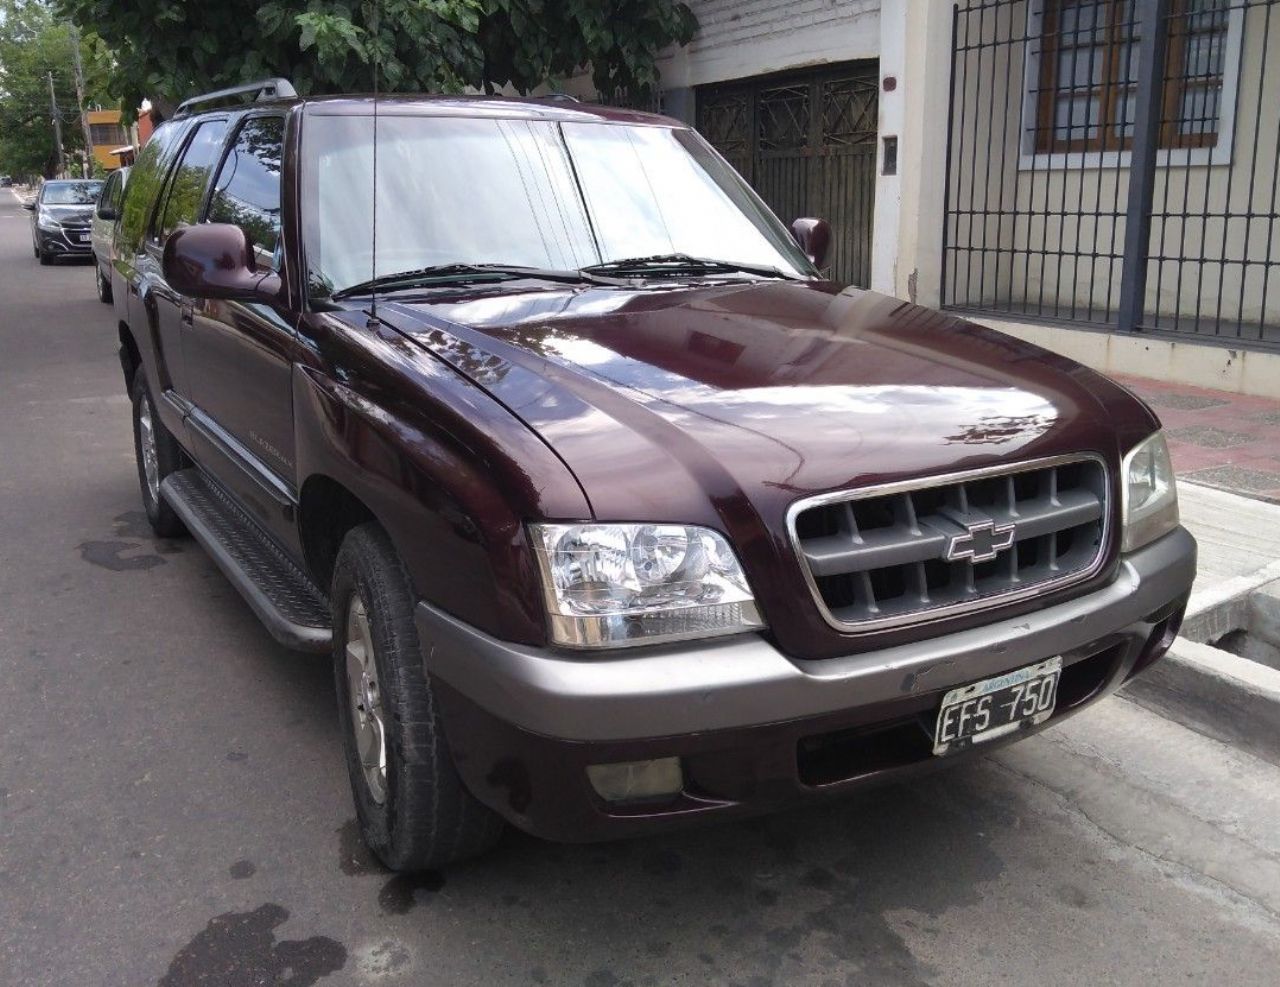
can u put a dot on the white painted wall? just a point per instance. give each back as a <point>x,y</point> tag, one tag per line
<point>916,50</point>
<point>1027,198</point>
<point>737,39</point>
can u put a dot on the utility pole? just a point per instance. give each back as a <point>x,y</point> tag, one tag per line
<point>57,123</point>
<point>84,121</point>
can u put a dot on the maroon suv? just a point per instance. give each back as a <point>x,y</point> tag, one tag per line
<point>612,511</point>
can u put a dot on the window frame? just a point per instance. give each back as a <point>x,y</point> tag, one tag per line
<point>171,174</point>
<point>228,145</point>
<point>111,185</point>
<point>112,133</point>
<point>1193,152</point>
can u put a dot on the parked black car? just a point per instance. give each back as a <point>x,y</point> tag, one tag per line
<point>61,214</point>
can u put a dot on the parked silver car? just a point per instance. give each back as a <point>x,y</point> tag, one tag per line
<point>102,229</point>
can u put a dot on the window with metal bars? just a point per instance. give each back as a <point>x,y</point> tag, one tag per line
<point>107,134</point>
<point>1084,92</point>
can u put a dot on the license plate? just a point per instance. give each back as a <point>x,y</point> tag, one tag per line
<point>83,237</point>
<point>994,707</point>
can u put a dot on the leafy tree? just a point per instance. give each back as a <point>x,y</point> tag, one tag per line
<point>167,49</point>
<point>32,44</point>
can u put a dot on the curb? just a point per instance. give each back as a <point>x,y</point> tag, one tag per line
<point>1216,693</point>
<point>1221,693</point>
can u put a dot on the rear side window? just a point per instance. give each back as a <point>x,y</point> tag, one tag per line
<point>110,193</point>
<point>190,178</point>
<point>144,184</point>
<point>247,190</point>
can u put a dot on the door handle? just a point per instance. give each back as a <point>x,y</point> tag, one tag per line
<point>188,313</point>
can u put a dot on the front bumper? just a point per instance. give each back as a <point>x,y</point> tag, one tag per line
<point>757,730</point>
<point>65,241</point>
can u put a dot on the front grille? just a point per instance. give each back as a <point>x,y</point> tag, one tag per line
<point>890,555</point>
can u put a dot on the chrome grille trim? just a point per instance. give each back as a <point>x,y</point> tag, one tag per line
<point>926,544</point>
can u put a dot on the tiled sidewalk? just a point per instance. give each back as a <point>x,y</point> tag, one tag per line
<point>1218,439</point>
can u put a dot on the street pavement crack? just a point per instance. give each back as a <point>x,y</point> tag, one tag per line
<point>1184,867</point>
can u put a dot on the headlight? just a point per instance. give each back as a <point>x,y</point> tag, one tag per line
<point>1150,493</point>
<point>47,222</point>
<point>614,585</point>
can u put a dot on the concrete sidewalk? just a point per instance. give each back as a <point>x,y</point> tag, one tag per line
<point>1217,438</point>
<point>1212,689</point>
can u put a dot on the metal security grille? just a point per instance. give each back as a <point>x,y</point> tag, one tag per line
<point>645,100</point>
<point>1083,187</point>
<point>885,555</point>
<point>807,143</point>
<point>107,134</point>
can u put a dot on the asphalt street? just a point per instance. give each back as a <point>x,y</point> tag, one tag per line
<point>174,807</point>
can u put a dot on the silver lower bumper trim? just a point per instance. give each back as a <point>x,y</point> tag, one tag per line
<point>746,681</point>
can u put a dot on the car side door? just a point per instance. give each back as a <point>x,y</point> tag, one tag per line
<point>181,203</point>
<point>105,214</point>
<point>240,354</point>
<point>134,273</point>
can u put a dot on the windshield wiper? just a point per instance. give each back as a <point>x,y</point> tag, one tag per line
<point>682,264</point>
<point>463,273</point>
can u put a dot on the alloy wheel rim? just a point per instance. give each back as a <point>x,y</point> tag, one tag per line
<point>368,722</point>
<point>147,443</point>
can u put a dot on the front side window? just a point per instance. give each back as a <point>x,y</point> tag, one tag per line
<point>190,178</point>
<point>533,193</point>
<point>117,194</point>
<point>247,190</point>
<point>1089,69</point>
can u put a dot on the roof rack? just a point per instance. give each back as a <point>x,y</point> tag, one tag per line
<point>559,98</point>
<point>262,89</point>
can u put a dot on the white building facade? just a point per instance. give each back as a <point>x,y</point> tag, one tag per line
<point>1010,159</point>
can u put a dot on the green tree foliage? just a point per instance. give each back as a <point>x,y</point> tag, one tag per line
<point>32,44</point>
<point>168,49</point>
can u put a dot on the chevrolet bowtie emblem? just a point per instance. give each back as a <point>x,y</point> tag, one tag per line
<point>982,541</point>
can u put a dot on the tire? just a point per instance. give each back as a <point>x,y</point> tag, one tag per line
<point>45,258</point>
<point>414,813</point>
<point>104,286</point>
<point>168,459</point>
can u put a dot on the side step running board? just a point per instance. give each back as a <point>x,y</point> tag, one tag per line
<point>294,610</point>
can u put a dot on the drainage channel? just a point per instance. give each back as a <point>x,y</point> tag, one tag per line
<point>1247,626</point>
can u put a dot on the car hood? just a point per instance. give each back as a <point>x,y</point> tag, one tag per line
<point>680,403</point>
<point>68,214</point>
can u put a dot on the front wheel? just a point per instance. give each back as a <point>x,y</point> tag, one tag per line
<point>46,258</point>
<point>104,285</point>
<point>414,812</point>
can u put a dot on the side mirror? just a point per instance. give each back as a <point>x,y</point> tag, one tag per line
<point>215,260</point>
<point>29,206</point>
<point>106,212</point>
<point>814,237</point>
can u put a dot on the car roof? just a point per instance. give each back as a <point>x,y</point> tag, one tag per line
<point>561,109</point>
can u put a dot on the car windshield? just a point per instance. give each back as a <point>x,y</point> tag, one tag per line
<point>530,193</point>
<point>70,193</point>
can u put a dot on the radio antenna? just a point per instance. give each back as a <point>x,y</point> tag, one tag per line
<point>377,71</point>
